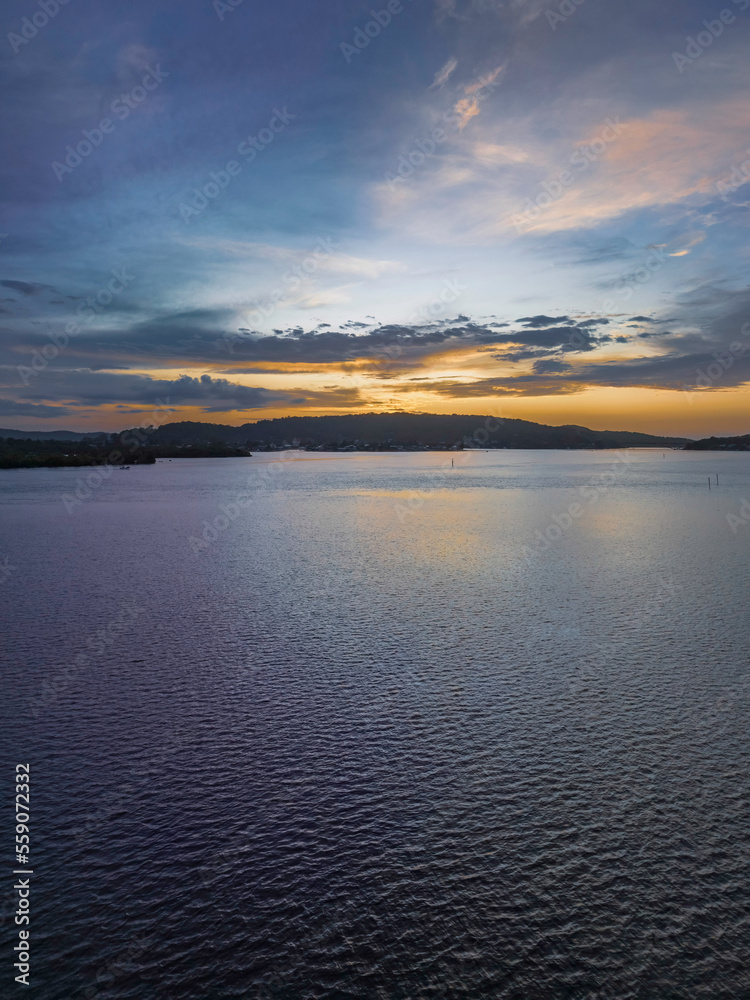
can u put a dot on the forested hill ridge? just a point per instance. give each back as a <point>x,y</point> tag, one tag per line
<point>402,430</point>
<point>373,431</point>
<point>741,443</point>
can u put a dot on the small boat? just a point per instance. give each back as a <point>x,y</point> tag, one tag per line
<point>124,468</point>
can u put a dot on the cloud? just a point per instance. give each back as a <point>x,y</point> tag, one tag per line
<point>442,74</point>
<point>467,108</point>
<point>77,389</point>
<point>27,287</point>
<point>484,81</point>
<point>13,408</point>
<point>550,367</point>
<point>539,321</point>
<point>664,157</point>
<point>318,257</point>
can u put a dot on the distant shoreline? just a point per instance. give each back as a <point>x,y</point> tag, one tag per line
<point>118,462</point>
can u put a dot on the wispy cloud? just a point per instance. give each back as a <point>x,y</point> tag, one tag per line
<point>442,74</point>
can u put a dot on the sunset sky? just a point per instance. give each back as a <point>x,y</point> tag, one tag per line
<point>506,207</point>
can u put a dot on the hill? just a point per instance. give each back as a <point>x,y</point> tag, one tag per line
<point>383,431</point>
<point>741,443</point>
<point>46,435</point>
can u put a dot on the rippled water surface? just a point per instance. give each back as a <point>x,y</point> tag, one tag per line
<point>368,726</point>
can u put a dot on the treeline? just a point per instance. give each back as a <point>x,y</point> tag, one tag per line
<point>741,443</point>
<point>381,431</point>
<point>20,453</point>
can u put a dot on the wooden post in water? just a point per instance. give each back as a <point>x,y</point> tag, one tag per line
<point>717,478</point>
<point>709,482</point>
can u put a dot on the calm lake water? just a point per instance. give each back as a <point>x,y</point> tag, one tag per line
<point>368,726</point>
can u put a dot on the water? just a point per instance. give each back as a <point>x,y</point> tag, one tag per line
<point>379,738</point>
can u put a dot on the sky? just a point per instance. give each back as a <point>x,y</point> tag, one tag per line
<point>232,211</point>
